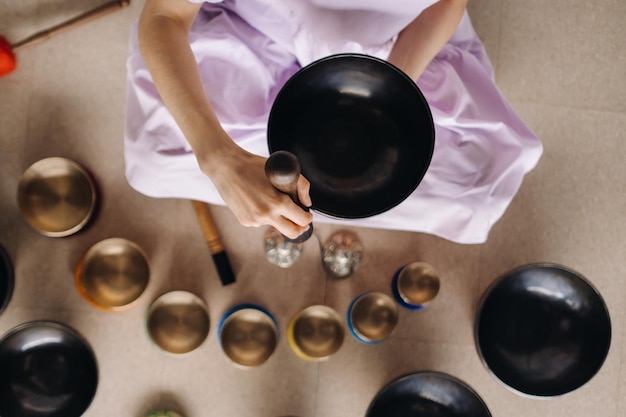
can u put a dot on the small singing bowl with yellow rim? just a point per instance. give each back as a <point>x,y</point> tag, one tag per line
<point>372,317</point>
<point>112,274</point>
<point>415,285</point>
<point>56,196</point>
<point>177,322</point>
<point>315,333</point>
<point>248,335</point>
<point>163,413</point>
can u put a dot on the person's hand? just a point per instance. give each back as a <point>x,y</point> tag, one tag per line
<point>240,179</point>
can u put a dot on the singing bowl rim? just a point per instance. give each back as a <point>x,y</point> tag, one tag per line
<point>422,377</point>
<point>76,169</point>
<point>7,275</point>
<point>512,274</point>
<point>196,300</point>
<point>90,253</point>
<point>424,147</point>
<point>81,404</point>
<point>231,315</point>
<point>292,339</point>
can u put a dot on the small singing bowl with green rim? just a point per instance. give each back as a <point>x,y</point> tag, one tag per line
<point>163,413</point>
<point>415,285</point>
<point>112,274</point>
<point>315,333</point>
<point>56,196</point>
<point>177,322</point>
<point>372,317</point>
<point>248,335</point>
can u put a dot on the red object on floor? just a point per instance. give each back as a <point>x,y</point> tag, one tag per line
<point>7,58</point>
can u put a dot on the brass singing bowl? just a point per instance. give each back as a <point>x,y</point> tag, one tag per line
<point>361,129</point>
<point>248,335</point>
<point>7,278</point>
<point>372,317</point>
<point>315,333</point>
<point>112,274</point>
<point>415,285</point>
<point>56,196</point>
<point>177,322</point>
<point>427,394</point>
<point>542,330</point>
<point>46,369</point>
<point>163,413</point>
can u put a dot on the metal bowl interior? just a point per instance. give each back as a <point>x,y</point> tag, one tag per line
<point>362,130</point>
<point>6,279</point>
<point>372,317</point>
<point>248,335</point>
<point>177,322</point>
<point>542,330</point>
<point>112,274</point>
<point>416,284</point>
<point>427,394</point>
<point>56,196</point>
<point>315,333</point>
<point>46,370</point>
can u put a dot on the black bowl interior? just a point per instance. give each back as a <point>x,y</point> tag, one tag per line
<point>362,130</point>
<point>46,369</point>
<point>543,330</point>
<point>427,394</point>
<point>6,279</point>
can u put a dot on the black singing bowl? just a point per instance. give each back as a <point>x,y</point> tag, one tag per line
<point>427,394</point>
<point>361,129</point>
<point>6,279</point>
<point>542,330</point>
<point>46,370</point>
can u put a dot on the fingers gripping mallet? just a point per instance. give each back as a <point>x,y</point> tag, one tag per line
<point>283,170</point>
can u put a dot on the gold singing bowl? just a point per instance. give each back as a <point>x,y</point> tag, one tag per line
<point>248,336</point>
<point>315,333</point>
<point>163,413</point>
<point>56,196</point>
<point>372,317</point>
<point>416,284</point>
<point>112,274</point>
<point>178,322</point>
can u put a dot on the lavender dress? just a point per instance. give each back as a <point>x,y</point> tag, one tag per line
<point>247,49</point>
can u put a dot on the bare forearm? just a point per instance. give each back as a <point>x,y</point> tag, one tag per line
<point>164,44</point>
<point>424,37</point>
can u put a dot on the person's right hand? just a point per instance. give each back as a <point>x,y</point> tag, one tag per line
<point>241,181</point>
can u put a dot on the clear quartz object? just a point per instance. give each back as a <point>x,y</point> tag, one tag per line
<point>278,251</point>
<point>341,254</point>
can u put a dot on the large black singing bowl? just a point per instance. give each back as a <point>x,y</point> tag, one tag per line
<point>46,370</point>
<point>427,394</point>
<point>542,330</point>
<point>362,130</point>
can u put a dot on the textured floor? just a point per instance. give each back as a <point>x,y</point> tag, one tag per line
<point>560,63</point>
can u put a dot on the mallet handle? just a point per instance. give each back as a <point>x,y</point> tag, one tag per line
<point>83,18</point>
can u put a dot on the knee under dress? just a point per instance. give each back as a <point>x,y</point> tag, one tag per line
<point>247,49</point>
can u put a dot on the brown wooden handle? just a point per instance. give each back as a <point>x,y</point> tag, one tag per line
<point>207,224</point>
<point>83,18</point>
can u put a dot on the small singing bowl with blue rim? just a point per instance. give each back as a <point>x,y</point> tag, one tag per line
<point>542,330</point>
<point>415,285</point>
<point>56,196</point>
<point>427,394</point>
<point>47,369</point>
<point>112,274</point>
<point>372,317</point>
<point>248,335</point>
<point>177,322</point>
<point>315,333</point>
